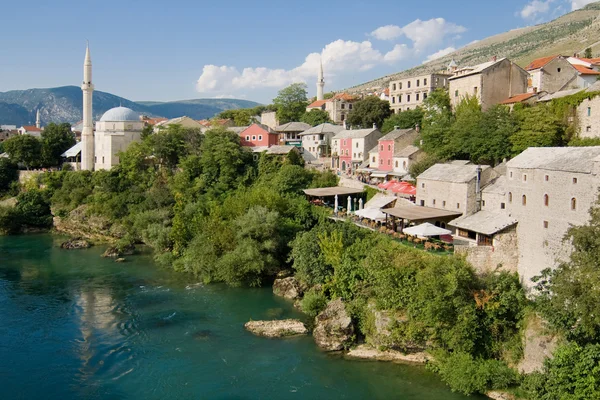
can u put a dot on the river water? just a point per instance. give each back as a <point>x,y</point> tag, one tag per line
<point>76,326</point>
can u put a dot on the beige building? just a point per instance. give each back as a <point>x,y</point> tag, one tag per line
<point>453,187</point>
<point>185,122</point>
<point>116,130</point>
<point>491,82</point>
<point>588,115</point>
<point>316,142</point>
<point>551,74</point>
<point>548,190</point>
<point>409,93</point>
<point>338,107</point>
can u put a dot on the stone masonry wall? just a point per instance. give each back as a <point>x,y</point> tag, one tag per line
<point>503,255</point>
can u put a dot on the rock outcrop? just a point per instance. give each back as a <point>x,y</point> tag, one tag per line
<point>116,252</point>
<point>289,288</point>
<point>537,346</point>
<point>334,330</point>
<point>80,223</point>
<point>369,353</point>
<point>276,329</point>
<point>75,243</point>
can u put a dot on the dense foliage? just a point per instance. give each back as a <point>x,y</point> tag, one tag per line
<point>315,117</point>
<point>368,112</point>
<point>408,119</point>
<point>43,152</point>
<point>291,103</point>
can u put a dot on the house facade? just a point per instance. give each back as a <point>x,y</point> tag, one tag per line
<point>289,134</point>
<point>338,107</point>
<point>316,141</point>
<point>30,130</point>
<point>490,82</point>
<point>409,93</point>
<point>257,135</point>
<point>406,157</point>
<point>551,74</point>
<point>392,143</point>
<point>351,148</point>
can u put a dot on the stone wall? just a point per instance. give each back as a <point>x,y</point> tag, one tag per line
<point>351,183</point>
<point>503,255</point>
<point>588,115</point>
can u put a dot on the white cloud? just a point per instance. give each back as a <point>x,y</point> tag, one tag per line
<point>577,4</point>
<point>338,57</point>
<point>387,32</point>
<point>534,8</point>
<point>439,54</point>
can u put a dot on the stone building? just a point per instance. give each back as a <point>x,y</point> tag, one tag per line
<point>392,143</point>
<point>490,82</point>
<point>551,74</point>
<point>316,141</point>
<point>409,93</point>
<point>30,130</point>
<point>453,187</point>
<point>404,158</point>
<point>548,190</point>
<point>350,148</point>
<point>289,134</point>
<point>588,115</point>
<point>116,130</point>
<point>338,107</point>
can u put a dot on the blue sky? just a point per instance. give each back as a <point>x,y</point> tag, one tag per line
<point>148,50</point>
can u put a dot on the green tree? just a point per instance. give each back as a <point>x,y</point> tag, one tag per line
<point>408,119</point>
<point>56,139</point>
<point>368,112</point>
<point>25,149</point>
<point>291,103</point>
<point>588,53</point>
<point>539,127</point>
<point>174,142</point>
<point>465,126</point>
<point>417,168</point>
<point>33,208</point>
<point>569,296</point>
<point>437,121</point>
<point>8,174</point>
<point>490,144</point>
<point>315,117</point>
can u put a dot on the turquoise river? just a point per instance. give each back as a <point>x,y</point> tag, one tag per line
<point>76,326</point>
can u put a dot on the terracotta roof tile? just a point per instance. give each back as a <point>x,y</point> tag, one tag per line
<point>585,71</point>
<point>518,98</point>
<point>317,103</point>
<point>539,63</point>
<point>32,128</point>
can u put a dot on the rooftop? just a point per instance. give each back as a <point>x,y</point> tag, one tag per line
<point>476,69</point>
<point>73,151</point>
<point>407,151</point>
<point>418,213</point>
<point>486,222</point>
<point>331,191</point>
<point>518,98</point>
<point>119,114</point>
<point>292,127</point>
<point>396,133</point>
<point>317,103</point>
<point>567,159</point>
<point>31,128</point>
<point>281,150</point>
<point>354,133</point>
<point>497,186</point>
<point>539,63</point>
<point>452,173</point>
<point>585,71</point>
<point>323,128</point>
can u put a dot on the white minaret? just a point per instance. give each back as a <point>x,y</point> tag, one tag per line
<point>320,82</point>
<point>87,134</point>
<point>38,121</point>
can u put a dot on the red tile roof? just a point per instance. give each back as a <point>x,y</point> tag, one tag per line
<point>344,96</point>
<point>518,98</point>
<point>585,71</point>
<point>32,128</point>
<point>153,121</point>
<point>317,103</point>
<point>539,63</point>
<point>386,91</point>
<point>590,60</point>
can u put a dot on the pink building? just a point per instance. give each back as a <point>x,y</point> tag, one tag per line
<point>350,148</point>
<point>257,135</point>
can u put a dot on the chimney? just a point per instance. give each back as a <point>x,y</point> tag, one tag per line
<point>374,125</point>
<point>396,127</point>
<point>345,126</point>
<point>494,58</point>
<point>417,128</point>
<point>478,189</point>
<point>535,90</point>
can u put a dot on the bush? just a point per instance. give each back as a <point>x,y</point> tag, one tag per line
<point>9,220</point>
<point>467,375</point>
<point>34,209</point>
<point>313,303</point>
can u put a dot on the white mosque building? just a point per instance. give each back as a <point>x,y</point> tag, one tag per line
<point>116,130</point>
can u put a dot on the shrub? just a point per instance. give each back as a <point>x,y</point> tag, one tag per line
<point>313,303</point>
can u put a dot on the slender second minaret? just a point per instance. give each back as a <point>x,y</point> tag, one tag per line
<point>38,121</point>
<point>87,134</point>
<point>320,82</point>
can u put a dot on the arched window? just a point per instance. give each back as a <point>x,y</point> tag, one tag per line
<point>396,164</point>
<point>389,147</point>
<point>574,204</point>
<point>546,200</point>
<point>524,200</point>
<point>510,197</point>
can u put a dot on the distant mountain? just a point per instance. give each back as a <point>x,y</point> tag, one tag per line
<point>64,104</point>
<point>572,33</point>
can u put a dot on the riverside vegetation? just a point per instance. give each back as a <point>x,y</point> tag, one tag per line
<point>207,207</point>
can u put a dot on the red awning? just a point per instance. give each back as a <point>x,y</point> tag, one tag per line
<point>386,185</point>
<point>403,187</point>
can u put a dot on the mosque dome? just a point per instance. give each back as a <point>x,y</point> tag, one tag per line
<point>119,114</point>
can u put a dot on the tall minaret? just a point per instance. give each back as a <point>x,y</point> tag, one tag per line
<point>320,82</point>
<point>87,134</point>
<point>38,121</point>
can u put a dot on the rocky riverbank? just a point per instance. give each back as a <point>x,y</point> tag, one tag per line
<point>276,329</point>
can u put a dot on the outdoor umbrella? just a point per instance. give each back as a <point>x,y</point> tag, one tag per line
<point>335,206</point>
<point>373,214</point>
<point>426,230</point>
<point>349,204</point>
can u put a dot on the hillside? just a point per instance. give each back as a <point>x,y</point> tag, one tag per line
<point>64,104</point>
<point>569,34</point>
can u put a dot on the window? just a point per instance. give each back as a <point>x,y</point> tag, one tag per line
<point>349,106</point>
<point>408,84</point>
<point>524,200</point>
<point>483,203</point>
<point>545,224</point>
<point>344,142</point>
<point>404,165</point>
<point>347,152</point>
<point>396,164</point>
<point>400,85</point>
<point>424,96</point>
<point>408,98</point>
<point>573,204</point>
<point>259,137</point>
<point>475,90</point>
<point>546,178</point>
<point>574,180</point>
<point>433,202</point>
<point>457,205</point>
<point>456,93</point>
<point>510,197</point>
<point>417,97</point>
<point>393,86</point>
<point>588,128</point>
<point>393,100</point>
<point>589,111</point>
<point>558,70</point>
<point>546,200</point>
<point>353,155</point>
<point>400,99</point>
<point>422,186</point>
<point>444,203</point>
<point>253,137</point>
<point>422,203</point>
<point>418,82</point>
<point>389,147</point>
<point>373,159</point>
<point>389,162</point>
<point>102,159</point>
<point>381,161</point>
<point>425,82</point>
<point>356,145</point>
<point>343,106</point>
<point>510,174</point>
<point>502,206</point>
<point>248,138</point>
<point>524,177</point>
